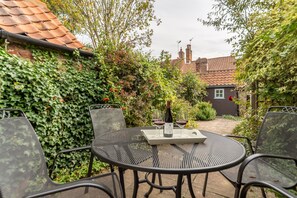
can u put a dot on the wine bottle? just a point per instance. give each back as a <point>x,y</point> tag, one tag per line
<point>168,127</point>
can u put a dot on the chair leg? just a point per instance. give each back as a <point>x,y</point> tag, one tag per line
<point>263,193</point>
<point>160,181</point>
<point>90,170</point>
<point>237,191</point>
<point>122,181</point>
<point>205,184</point>
<point>90,165</point>
<point>111,168</point>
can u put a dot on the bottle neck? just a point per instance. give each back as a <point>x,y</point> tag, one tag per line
<point>168,104</point>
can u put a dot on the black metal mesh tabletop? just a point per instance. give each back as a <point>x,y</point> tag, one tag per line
<point>129,149</point>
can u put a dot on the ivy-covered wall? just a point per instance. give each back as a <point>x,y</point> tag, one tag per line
<point>54,91</point>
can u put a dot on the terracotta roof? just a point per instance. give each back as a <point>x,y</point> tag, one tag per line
<point>33,19</point>
<point>218,71</point>
<point>223,77</point>
<point>221,63</point>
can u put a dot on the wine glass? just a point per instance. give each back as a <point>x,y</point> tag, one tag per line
<point>157,119</point>
<point>182,119</point>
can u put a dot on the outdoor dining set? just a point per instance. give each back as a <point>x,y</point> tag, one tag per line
<point>269,162</point>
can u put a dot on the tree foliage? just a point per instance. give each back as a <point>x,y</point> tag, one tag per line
<point>269,59</point>
<point>192,88</point>
<point>114,22</point>
<point>266,33</point>
<point>236,16</point>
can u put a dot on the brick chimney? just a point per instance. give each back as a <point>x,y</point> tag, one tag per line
<point>188,54</point>
<point>201,65</point>
<point>181,54</point>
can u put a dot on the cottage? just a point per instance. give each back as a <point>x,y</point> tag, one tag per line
<point>218,73</point>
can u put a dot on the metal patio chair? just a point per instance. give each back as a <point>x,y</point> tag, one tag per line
<point>110,117</point>
<point>283,192</point>
<point>105,117</point>
<point>23,171</point>
<point>274,158</point>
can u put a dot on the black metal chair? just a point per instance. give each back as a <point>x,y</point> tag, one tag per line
<point>105,117</point>
<point>23,171</point>
<point>274,157</point>
<point>264,184</point>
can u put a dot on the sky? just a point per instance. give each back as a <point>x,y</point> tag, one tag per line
<point>179,23</point>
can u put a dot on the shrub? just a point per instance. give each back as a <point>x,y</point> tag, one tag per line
<point>192,88</point>
<point>203,111</point>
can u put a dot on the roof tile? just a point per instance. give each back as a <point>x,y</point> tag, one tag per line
<point>12,29</point>
<point>28,28</point>
<point>9,4</point>
<point>75,45</point>
<point>4,11</point>
<point>56,41</point>
<point>33,18</point>
<point>7,21</point>
<point>21,4</point>
<point>66,39</point>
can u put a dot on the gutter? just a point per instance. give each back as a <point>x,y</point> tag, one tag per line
<point>21,38</point>
<point>221,86</point>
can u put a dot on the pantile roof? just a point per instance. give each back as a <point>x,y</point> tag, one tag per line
<point>32,18</point>
<point>218,71</point>
<point>221,63</point>
<point>217,78</point>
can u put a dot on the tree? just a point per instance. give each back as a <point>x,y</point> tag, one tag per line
<point>236,16</point>
<point>269,59</point>
<point>112,22</point>
<point>192,88</point>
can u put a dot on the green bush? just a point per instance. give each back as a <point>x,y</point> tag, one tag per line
<point>203,111</point>
<point>192,88</point>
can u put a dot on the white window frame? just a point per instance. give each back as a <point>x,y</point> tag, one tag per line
<point>219,94</point>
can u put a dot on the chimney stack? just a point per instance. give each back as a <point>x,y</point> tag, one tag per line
<point>181,54</point>
<point>188,54</point>
<point>201,65</point>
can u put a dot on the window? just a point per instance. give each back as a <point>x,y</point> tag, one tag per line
<point>219,94</point>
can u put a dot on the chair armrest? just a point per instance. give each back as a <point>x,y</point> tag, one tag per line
<point>265,184</point>
<point>66,151</point>
<point>243,137</point>
<point>260,155</point>
<point>73,186</point>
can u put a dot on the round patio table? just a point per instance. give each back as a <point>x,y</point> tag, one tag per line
<point>128,149</point>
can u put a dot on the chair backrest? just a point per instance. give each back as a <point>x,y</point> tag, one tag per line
<point>278,136</point>
<point>22,164</point>
<point>106,117</point>
<point>278,133</point>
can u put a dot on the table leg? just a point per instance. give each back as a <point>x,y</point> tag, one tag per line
<point>121,173</point>
<point>151,187</point>
<point>190,185</point>
<point>179,186</point>
<point>136,184</point>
